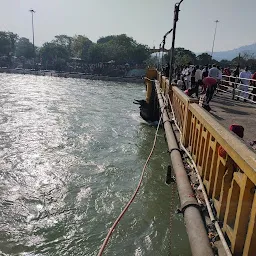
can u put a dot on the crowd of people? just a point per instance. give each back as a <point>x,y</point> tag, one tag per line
<point>195,80</point>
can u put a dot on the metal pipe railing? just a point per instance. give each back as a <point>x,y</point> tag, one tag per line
<point>197,235</point>
<point>234,86</point>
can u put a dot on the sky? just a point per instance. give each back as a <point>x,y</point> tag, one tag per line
<point>144,20</point>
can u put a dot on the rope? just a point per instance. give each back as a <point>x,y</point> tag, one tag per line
<point>104,245</point>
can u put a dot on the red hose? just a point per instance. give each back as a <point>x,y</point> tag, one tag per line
<point>104,245</point>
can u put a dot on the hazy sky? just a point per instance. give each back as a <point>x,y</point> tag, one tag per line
<point>144,20</point>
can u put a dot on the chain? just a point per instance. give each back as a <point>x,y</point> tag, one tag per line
<point>172,213</point>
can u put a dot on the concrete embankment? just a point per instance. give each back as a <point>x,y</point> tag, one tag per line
<point>72,75</point>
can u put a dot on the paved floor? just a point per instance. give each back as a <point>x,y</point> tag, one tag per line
<point>228,111</point>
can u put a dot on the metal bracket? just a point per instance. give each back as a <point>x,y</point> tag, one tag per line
<point>188,204</point>
<point>168,120</point>
<point>169,175</point>
<point>173,149</point>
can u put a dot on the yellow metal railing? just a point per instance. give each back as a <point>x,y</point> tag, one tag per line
<point>229,177</point>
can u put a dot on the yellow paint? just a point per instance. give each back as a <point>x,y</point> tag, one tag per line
<point>151,73</point>
<point>229,181</point>
<point>149,90</point>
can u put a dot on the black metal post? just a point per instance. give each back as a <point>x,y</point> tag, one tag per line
<point>176,18</point>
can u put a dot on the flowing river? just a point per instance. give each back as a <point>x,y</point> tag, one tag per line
<point>71,154</point>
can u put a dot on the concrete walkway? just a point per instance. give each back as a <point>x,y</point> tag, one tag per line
<point>228,111</point>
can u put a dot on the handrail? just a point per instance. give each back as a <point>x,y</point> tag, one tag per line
<point>227,168</point>
<point>232,85</point>
<point>236,148</point>
<point>250,79</point>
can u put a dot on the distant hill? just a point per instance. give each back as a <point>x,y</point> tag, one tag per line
<point>231,54</point>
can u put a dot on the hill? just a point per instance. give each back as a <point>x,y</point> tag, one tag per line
<point>231,54</point>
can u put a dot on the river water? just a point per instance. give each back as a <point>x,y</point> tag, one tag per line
<point>71,153</point>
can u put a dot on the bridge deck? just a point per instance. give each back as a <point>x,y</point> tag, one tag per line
<point>228,111</point>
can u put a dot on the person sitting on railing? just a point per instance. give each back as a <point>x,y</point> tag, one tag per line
<point>243,87</point>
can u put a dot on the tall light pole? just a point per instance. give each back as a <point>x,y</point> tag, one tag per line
<point>217,21</point>
<point>33,33</point>
<point>172,57</point>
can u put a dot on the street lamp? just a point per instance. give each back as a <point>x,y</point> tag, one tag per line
<point>217,21</point>
<point>163,43</point>
<point>32,13</point>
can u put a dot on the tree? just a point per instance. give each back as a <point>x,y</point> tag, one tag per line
<point>184,57</point>
<point>204,59</point>
<point>13,39</point>
<point>53,54</point>
<point>120,48</point>
<point>238,61</point>
<point>80,46</point>
<point>247,55</point>
<point>97,53</point>
<point>140,54</point>
<point>105,39</point>
<point>225,63</point>
<point>7,43</point>
<point>24,48</point>
<point>64,41</point>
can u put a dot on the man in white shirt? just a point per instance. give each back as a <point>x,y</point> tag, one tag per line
<point>214,72</point>
<point>198,79</point>
<point>243,87</point>
<point>198,74</point>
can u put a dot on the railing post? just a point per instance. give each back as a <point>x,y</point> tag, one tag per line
<point>186,126</point>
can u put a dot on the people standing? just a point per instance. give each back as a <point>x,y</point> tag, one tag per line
<point>204,75</point>
<point>227,74</point>
<point>190,74</point>
<point>193,80</point>
<point>187,77</point>
<point>205,72</point>
<point>210,83</point>
<point>243,87</point>
<point>234,79</point>
<point>214,72</point>
<point>198,79</point>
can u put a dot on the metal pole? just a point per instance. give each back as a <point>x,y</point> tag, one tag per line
<point>159,57</point>
<point>33,33</point>
<point>176,18</point>
<point>198,239</point>
<point>214,35</point>
<point>163,45</point>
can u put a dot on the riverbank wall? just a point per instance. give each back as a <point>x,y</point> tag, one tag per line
<point>72,75</point>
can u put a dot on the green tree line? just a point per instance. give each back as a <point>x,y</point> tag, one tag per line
<point>118,48</point>
<point>122,49</point>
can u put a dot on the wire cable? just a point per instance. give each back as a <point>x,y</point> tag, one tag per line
<point>111,230</point>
